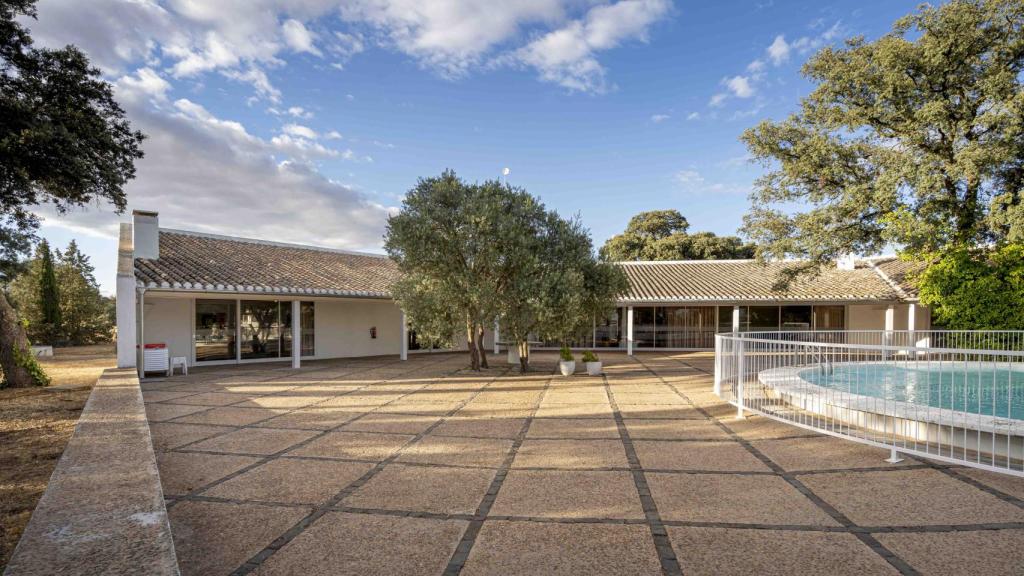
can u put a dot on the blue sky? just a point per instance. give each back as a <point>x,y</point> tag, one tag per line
<point>307,121</point>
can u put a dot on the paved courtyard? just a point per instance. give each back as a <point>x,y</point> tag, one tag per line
<point>376,466</point>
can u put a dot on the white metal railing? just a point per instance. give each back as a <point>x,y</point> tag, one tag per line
<point>956,396</point>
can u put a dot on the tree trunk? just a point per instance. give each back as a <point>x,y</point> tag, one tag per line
<point>524,356</point>
<point>14,347</point>
<point>474,358</point>
<point>480,346</point>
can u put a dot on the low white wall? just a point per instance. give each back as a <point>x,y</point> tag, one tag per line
<point>343,328</point>
<point>169,320</point>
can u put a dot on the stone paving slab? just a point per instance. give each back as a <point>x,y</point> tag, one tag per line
<point>376,466</point>
<point>363,544</point>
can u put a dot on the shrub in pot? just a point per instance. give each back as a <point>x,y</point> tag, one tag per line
<point>566,364</point>
<point>593,363</point>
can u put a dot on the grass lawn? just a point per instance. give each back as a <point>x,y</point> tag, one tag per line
<point>35,424</point>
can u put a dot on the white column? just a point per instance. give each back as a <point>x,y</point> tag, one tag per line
<point>497,331</point>
<point>890,324</point>
<point>912,324</point>
<point>296,334</point>
<point>629,331</point>
<point>404,353</point>
<point>735,318</point>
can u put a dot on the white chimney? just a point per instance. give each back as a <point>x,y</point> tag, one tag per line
<point>147,234</point>
<point>847,262</point>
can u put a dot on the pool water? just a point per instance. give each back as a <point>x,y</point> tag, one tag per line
<point>972,388</point>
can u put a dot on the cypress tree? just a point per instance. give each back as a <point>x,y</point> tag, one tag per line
<point>49,294</point>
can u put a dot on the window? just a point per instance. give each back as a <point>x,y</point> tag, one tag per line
<point>607,332</point>
<point>684,327</point>
<point>829,317</point>
<point>796,318</point>
<point>643,327</point>
<point>762,318</point>
<point>261,329</point>
<point>215,333</point>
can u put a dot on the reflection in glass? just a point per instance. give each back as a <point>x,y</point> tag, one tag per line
<point>796,318</point>
<point>762,318</point>
<point>608,331</point>
<point>215,330</point>
<point>829,317</point>
<point>261,329</point>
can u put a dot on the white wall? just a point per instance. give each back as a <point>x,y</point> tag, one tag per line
<point>343,328</point>
<point>169,320</point>
<point>872,317</point>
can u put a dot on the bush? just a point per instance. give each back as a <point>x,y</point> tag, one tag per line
<point>566,354</point>
<point>589,356</point>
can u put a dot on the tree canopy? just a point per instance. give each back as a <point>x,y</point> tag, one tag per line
<point>914,140</point>
<point>471,253</point>
<point>663,235</point>
<point>976,289</point>
<point>64,141</point>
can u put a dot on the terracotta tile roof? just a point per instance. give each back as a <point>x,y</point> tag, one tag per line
<point>194,261</point>
<point>747,280</point>
<point>902,273</point>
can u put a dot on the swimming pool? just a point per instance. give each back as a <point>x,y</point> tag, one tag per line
<point>990,390</point>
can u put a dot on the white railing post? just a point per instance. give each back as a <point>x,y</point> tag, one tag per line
<point>629,331</point>
<point>718,365</point>
<point>740,349</point>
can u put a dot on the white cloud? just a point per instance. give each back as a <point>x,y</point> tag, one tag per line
<point>299,38</point>
<point>693,116</point>
<point>258,79</point>
<point>299,131</point>
<point>717,99</point>
<point>248,38</point>
<point>740,86</point>
<point>778,51</point>
<point>659,118</point>
<point>300,112</point>
<point>567,56</point>
<point>689,177</point>
<point>333,135</point>
<point>144,84</point>
<point>755,67</point>
<point>209,174</point>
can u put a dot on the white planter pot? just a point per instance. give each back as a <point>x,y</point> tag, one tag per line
<point>567,368</point>
<point>594,368</point>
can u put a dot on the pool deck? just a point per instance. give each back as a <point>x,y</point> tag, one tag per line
<point>376,466</point>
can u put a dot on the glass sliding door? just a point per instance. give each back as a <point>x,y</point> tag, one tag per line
<point>215,332</point>
<point>261,329</point>
<point>762,319</point>
<point>608,332</point>
<point>685,327</point>
<point>796,318</point>
<point>829,317</point>
<point>643,326</point>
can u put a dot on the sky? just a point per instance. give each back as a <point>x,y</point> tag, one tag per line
<point>308,120</point>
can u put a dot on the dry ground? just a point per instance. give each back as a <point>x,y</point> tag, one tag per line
<point>375,466</point>
<point>35,424</point>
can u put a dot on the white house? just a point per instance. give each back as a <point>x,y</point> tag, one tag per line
<point>214,299</point>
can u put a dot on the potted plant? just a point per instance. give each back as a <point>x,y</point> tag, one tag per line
<point>593,363</point>
<point>566,364</point>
